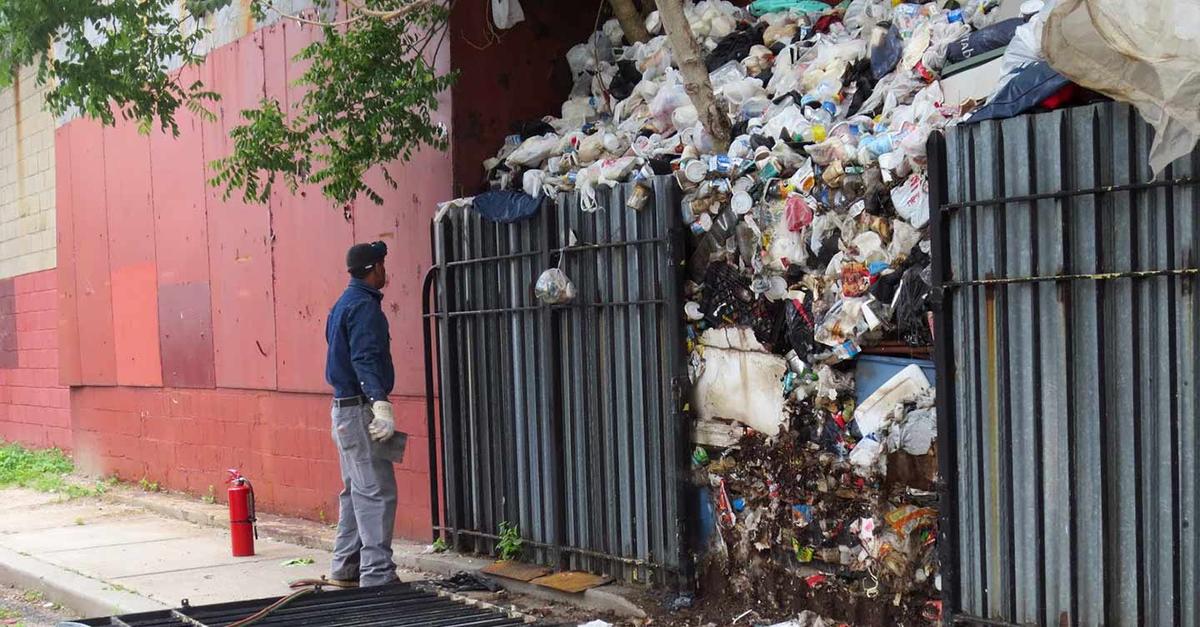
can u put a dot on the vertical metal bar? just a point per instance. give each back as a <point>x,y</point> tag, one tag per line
<point>675,433</point>
<point>943,340</point>
<point>623,443</point>
<point>551,408</point>
<point>431,426</point>
<point>638,364</point>
<point>1054,353</point>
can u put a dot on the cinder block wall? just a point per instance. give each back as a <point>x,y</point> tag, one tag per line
<point>26,179</point>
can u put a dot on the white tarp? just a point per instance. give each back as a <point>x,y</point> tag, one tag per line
<point>740,380</point>
<point>1145,52</point>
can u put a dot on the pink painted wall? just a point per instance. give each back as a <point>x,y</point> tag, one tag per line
<point>194,325</point>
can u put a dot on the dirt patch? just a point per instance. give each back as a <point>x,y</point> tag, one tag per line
<point>29,609</point>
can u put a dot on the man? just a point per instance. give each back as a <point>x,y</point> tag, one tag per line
<point>359,367</point>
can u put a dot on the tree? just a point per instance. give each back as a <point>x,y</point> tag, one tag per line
<point>695,74</point>
<point>372,86</point>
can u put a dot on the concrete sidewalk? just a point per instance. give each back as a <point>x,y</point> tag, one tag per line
<point>131,551</point>
<point>98,557</point>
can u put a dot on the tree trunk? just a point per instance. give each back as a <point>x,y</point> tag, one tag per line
<point>688,57</point>
<point>647,8</point>
<point>631,21</point>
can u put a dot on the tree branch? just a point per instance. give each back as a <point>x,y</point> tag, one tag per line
<point>631,21</point>
<point>695,74</point>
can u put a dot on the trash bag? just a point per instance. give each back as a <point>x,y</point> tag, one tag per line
<point>760,7</point>
<point>911,306</point>
<point>1026,90</point>
<point>1145,53</point>
<point>506,206</point>
<point>553,287</point>
<point>507,13</point>
<point>995,36</point>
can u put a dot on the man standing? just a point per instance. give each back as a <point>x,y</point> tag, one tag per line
<point>359,367</point>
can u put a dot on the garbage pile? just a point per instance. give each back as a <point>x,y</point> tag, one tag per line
<point>810,245</point>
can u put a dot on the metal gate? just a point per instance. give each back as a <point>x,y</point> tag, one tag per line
<point>1068,348</point>
<point>565,420</point>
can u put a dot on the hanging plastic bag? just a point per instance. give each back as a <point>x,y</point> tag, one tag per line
<point>554,287</point>
<point>1145,53</point>
<point>507,13</point>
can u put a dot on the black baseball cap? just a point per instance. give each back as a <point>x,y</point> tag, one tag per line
<point>365,256</point>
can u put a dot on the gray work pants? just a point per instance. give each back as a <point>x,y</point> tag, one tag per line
<point>366,505</point>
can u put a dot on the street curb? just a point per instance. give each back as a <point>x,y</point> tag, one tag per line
<point>610,599</point>
<point>81,594</point>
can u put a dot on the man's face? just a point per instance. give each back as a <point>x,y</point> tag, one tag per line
<point>381,277</point>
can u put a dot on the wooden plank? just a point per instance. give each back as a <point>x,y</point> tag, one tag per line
<point>572,581</point>
<point>516,570</point>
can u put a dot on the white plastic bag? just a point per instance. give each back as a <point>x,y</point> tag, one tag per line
<point>507,13</point>
<point>1145,53</point>
<point>533,151</point>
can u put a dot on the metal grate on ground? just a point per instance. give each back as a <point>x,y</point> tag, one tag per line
<point>391,606</point>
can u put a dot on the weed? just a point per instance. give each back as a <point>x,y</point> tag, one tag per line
<point>40,470</point>
<point>118,587</point>
<point>149,486</point>
<point>33,596</point>
<point>300,561</point>
<point>6,614</point>
<point>321,516</point>
<point>439,545</point>
<point>509,546</point>
<point>211,497</point>
<point>79,521</point>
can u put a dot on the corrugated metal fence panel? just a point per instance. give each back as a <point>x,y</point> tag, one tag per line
<point>564,420</point>
<point>1074,395</point>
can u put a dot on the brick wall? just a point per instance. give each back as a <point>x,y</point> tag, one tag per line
<point>26,179</point>
<point>34,408</point>
<point>185,439</point>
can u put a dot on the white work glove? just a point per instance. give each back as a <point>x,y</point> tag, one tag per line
<point>384,424</point>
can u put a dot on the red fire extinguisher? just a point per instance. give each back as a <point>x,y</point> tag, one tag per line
<point>242,527</point>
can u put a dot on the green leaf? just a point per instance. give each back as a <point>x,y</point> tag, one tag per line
<point>300,561</point>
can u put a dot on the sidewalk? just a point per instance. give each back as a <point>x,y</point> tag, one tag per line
<point>132,551</point>
<point>99,557</point>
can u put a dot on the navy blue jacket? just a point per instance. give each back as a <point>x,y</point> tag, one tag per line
<point>360,357</point>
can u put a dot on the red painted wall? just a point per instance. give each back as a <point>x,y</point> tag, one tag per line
<point>34,408</point>
<point>194,324</point>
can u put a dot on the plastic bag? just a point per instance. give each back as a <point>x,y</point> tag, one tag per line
<point>995,36</point>
<point>553,287</point>
<point>1145,53</point>
<point>507,13</point>
<point>911,200</point>
<point>1024,48</point>
<point>911,306</point>
<point>506,206</point>
<point>533,151</point>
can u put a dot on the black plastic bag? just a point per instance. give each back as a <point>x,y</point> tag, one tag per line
<point>912,307</point>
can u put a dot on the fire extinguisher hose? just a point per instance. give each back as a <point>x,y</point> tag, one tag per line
<point>266,611</point>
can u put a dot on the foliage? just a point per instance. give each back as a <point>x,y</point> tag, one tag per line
<point>510,543</point>
<point>300,561</point>
<point>369,92</point>
<point>149,486</point>
<point>111,57</point>
<point>440,546</point>
<point>42,470</point>
<point>376,97</point>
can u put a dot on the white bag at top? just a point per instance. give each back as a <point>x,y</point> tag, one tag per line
<point>1145,53</point>
<point>507,13</point>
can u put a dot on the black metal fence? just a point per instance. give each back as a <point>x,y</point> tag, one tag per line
<point>1068,350</point>
<point>564,420</point>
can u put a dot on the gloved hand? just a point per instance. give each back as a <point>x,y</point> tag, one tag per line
<point>384,424</point>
